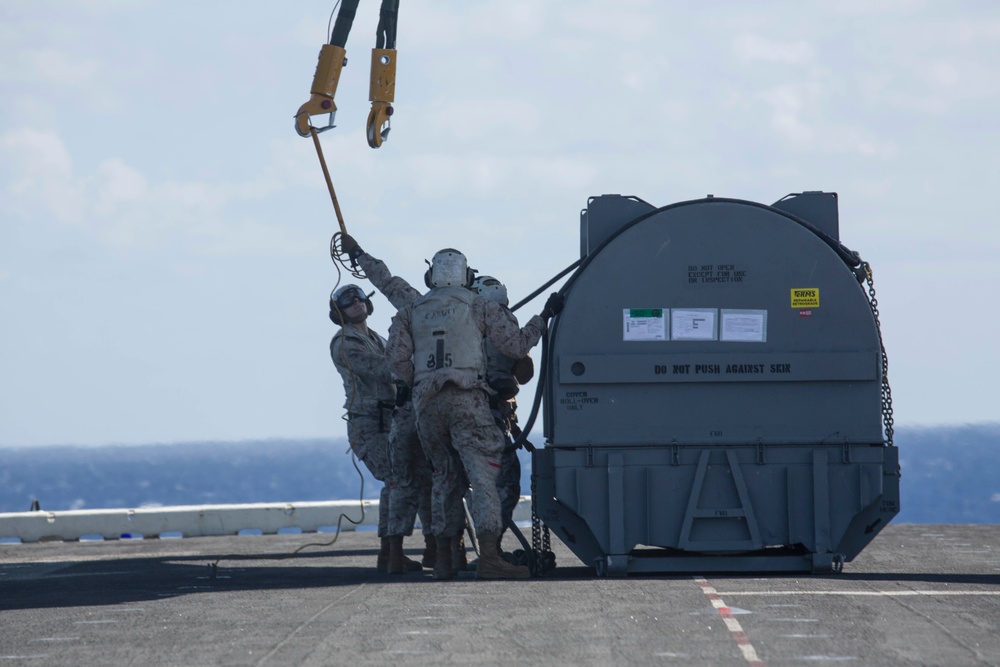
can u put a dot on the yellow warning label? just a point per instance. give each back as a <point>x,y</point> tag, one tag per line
<point>805,297</point>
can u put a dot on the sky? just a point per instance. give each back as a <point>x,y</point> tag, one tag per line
<point>164,232</point>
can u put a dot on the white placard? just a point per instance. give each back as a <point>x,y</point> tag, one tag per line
<point>743,326</point>
<point>644,323</point>
<point>693,323</point>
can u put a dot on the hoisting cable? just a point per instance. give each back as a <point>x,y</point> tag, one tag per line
<point>345,19</point>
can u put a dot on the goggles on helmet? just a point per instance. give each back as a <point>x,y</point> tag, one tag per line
<point>349,294</point>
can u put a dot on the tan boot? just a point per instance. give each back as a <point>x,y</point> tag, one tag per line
<point>491,566</point>
<point>382,564</point>
<point>397,561</point>
<point>442,562</point>
<point>412,565</point>
<point>430,552</point>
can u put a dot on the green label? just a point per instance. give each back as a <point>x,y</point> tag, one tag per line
<point>636,313</point>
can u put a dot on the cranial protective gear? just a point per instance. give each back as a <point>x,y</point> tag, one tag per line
<point>342,298</point>
<point>491,288</point>
<point>449,268</point>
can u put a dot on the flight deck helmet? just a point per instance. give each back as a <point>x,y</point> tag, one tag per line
<point>449,268</point>
<point>342,298</point>
<point>491,288</point>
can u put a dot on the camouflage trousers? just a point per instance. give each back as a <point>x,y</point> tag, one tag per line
<point>410,495</point>
<point>509,482</point>
<point>458,422</point>
<point>369,440</point>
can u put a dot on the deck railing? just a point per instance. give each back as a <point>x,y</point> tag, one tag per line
<point>198,520</point>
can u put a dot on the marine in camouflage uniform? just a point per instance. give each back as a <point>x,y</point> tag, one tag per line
<point>358,353</point>
<point>505,376</point>
<point>436,346</point>
<point>410,495</point>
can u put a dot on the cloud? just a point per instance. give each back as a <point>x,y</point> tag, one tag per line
<point>121,207</point>
<point>118,183</point>
<point>750,48</point>
<point>482,119</point>
<point>798,116</point>
<point>42,172</point>
<point>442,24</point>
<point>788,104</point>
<point>60,68</point>
<point>641,72</point>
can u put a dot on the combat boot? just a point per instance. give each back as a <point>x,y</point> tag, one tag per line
<point>397,561</point>
<point>412,565</point>
<point>430,552</point>
<point>442,562</point>
<point>382,564</point>
<point>491,566</point>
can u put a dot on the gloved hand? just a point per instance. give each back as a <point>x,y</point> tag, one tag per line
<point>402,395</point>
<point>350,246</point>
<point>553,306</point>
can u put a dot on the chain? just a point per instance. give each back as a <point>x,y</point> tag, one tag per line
<point>541,541</point>
<point>536,527</point>
<point>887,418</point>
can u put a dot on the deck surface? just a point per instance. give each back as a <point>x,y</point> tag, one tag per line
<point>918,595</point>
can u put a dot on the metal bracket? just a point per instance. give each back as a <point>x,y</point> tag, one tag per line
<point>617,566</point>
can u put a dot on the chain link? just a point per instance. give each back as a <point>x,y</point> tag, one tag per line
<point>541,542</point>
<point>887,417</point>
<point>536,527</point>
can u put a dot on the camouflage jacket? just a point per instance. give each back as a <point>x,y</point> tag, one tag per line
<point>361,362</point>
<point>395,289</point>
<point>495,322</point>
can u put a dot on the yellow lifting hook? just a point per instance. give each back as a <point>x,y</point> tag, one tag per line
<point>332,59</point>
<point>381,92</point>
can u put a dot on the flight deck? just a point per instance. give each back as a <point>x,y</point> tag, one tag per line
<point>917,595</point>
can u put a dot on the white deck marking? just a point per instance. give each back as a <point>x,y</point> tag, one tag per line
<point>735,629</point>
<point>38,656</point>
<point>863,593</point>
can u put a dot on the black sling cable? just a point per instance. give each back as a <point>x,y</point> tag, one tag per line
<point>543,287</point>
<point>345,19</point>
<point>385,35</point>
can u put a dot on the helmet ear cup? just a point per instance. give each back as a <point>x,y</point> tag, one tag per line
<point>369,306</point>
<point>335,315</point>
<point>427,279</point>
